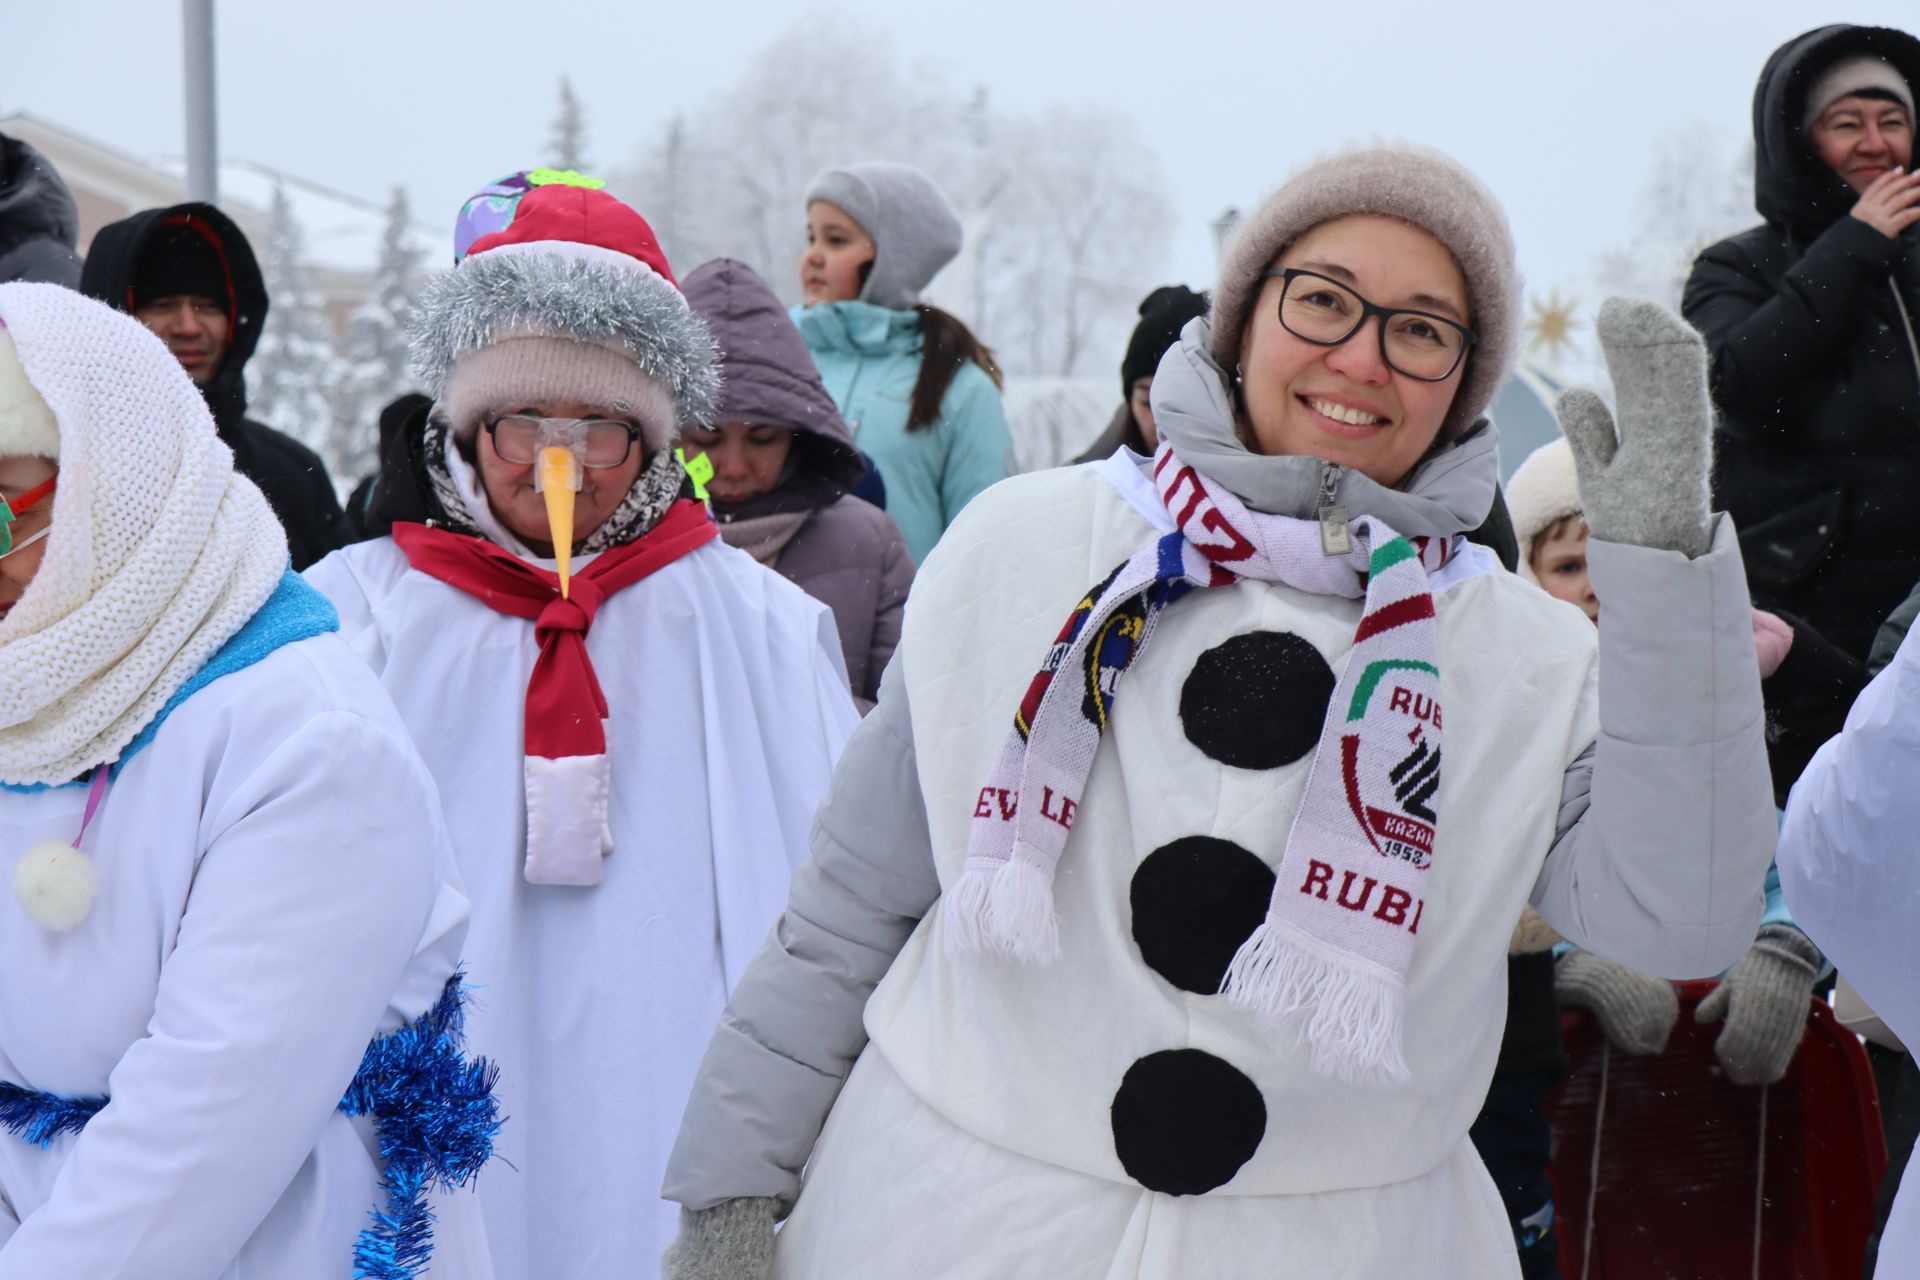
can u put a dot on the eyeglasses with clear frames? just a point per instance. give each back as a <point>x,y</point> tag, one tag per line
<point>598,442</point>
<point>1423,346</point>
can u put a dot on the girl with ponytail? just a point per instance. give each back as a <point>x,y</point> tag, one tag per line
<point>919,390</point>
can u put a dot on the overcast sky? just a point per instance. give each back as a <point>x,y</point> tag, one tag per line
<point>1556,106</point>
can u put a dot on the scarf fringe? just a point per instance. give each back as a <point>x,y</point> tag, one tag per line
<point>1004,908</point>
<point>1353,1029</point>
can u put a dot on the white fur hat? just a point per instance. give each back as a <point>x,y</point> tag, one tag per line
<point>28,428</point>
<point>1544,489</point>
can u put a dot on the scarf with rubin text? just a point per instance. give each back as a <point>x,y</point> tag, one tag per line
<point>1331,955</point>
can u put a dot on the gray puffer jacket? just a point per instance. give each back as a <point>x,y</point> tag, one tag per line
<point>842,551</point>
<point>1664,831</point>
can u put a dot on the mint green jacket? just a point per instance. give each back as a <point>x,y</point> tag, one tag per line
<point>869,358</point>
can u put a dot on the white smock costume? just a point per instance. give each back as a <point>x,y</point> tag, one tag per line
<point>598,974</point>
<point>262,884</point>
<point>1850,877</point>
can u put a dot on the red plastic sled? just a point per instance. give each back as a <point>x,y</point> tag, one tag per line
<point>1682,1179</point>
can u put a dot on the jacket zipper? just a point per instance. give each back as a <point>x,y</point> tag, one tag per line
<point>1906,318</point>
<point>1334,537</point>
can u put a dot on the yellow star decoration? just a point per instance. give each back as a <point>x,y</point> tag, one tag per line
<point>1551,326</point>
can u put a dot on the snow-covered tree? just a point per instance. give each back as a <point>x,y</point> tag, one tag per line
<point>1084,224</point>
<point>1697,191</point>
<point>1066,222</point>
<point>376,366</point>
<point>293,371</point>
<point>567,145</point>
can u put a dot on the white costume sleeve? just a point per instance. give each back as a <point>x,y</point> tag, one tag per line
<point>1847,860</point>
<point>314,884</point>
<point>1667,822</point>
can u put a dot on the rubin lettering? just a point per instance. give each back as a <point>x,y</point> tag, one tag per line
<point>1393,905</point>
<point>1417,705</point>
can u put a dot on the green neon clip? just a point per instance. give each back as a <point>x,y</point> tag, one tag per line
<point>563,178</point>
<point>6,526</point>
<point>699,470</point>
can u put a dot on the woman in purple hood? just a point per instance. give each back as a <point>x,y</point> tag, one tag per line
<point>784,467</point>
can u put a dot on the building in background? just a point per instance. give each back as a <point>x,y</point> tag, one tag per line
<point>342,232</point>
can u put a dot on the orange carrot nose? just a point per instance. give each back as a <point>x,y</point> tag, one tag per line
<point>558,478</point>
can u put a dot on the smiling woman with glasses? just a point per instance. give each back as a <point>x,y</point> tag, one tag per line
<point>1200,971</point>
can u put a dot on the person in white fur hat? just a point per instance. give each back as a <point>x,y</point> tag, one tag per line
<point>233,920</point>
<point>1151,931</point>
<point>630,721</point>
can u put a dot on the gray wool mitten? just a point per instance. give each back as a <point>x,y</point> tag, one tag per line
<point>731,1241</point>
<point>1765,1000</point>
<point>1637,1012</point>
<point>1647,485</point>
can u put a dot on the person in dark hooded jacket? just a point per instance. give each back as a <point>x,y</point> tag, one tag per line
<point>188,274</point>
<point>1809,321</point>
<point>1163,313</point>
<point>39,223</point>
<point>784,471</point>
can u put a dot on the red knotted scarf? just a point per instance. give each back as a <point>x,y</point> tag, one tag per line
<point>565,706</point>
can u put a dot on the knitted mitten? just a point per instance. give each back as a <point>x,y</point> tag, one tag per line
<point>1647,486</point>
<point>1765,999</point>
<point>1637,1012</point>
<point>731,1241</point>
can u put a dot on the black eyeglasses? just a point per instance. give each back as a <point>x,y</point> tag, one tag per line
<point>1419,344</point>
<point>603,442</point>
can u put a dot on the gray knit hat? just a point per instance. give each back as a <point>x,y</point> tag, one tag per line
<point>1416,185</point>
<point>914,229</point>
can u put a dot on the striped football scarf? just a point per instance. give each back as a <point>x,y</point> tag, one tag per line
<point>1349,896</point>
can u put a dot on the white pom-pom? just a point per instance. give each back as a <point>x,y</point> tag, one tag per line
<point>56,884</point>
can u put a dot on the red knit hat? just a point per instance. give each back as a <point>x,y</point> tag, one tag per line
<point>551,257</point>
<point>581,216</point>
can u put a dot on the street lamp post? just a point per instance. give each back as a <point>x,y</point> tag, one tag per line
<point>1223,228</point>
<point>203,144</point>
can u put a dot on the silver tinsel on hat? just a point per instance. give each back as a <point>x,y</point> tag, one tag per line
<point>491,294</point>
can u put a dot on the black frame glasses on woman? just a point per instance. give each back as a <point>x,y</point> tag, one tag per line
<point>526,433</point>
<point>1329,312</point>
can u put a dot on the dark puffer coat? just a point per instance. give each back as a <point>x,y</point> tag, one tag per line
<point>39,222</point>
<point>1815,372</point>
<point>846,553</point>
<point>290,474</point>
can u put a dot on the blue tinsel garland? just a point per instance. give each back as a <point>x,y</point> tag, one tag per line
<point>433,1111</point>
<point>41,1117</point>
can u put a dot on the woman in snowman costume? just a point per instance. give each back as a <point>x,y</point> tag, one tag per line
<point>1164,934</point>
<point>229,1031</point>
<point>631,722</point>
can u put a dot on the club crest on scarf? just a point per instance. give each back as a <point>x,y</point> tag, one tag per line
<point>1348,895</point>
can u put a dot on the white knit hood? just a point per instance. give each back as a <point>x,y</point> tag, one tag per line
<point>1544,488</point>
<point>158,552</point>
